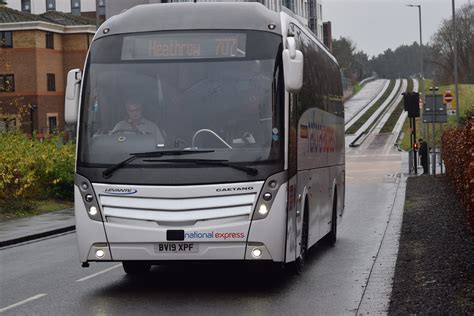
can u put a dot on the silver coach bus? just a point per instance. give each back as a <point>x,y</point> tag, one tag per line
<point>206,131</point>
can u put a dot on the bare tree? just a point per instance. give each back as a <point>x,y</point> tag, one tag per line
<point>443,47</point>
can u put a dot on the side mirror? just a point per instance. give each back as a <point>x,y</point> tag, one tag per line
<point>292,66</point>
<point>71,100</point>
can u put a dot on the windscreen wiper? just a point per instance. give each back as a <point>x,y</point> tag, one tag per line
<point>151,154</point>
<point>209,162</point>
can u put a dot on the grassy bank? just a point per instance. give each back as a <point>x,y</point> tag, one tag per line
<point>466,105</point>
<point>35,207</point>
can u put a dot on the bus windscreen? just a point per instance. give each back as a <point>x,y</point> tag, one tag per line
<point>183,46</point>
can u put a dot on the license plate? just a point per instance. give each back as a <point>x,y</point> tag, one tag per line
<point>173,247</point>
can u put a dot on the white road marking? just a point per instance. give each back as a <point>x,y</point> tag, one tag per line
<point>98,273</point>
<point>22,302</point>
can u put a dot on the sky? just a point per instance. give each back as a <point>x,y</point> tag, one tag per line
<point>376,25</point>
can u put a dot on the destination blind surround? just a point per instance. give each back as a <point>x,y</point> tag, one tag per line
<point>183,46</point>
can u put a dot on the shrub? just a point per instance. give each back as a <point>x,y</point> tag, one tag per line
<point>33,169</point>
<point>458,156</point>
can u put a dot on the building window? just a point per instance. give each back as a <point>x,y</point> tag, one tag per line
<point>76,7</point>
<point>51,82</point>
<point>52,124</point>
<point>50,5</point>
<point>7,83</point>
<point>6,39</point>
<point>26,6</point>
<point>8,122</point>
<point>49,40</point>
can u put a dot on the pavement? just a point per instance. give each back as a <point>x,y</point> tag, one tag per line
<point>25,229</point>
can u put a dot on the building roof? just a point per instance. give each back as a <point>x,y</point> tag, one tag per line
<point>8,15</point>
<point>66,18</point>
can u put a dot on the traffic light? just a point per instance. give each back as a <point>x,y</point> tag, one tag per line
<point>415,147</point>
<point>411,104</point>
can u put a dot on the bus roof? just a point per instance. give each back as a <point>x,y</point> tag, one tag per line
<point>195,16</point>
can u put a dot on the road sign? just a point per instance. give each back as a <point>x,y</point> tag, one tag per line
<point>439,107</point>
<point>447,97</point>
<point>438,118</point>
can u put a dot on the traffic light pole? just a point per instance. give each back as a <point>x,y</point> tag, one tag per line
<point>433,166</point>
<point>411,105</point>
<point>413,119</point>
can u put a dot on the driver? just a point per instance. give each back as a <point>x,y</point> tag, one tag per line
<point>135,123</point>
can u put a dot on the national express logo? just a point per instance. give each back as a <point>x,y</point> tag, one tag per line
<point>120,191</point>
<point>213,235</point>
<point>321,139</point>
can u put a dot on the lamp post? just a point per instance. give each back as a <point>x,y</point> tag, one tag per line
<point>422,88</point>
<point>32,118</point>
<point>456,93</point>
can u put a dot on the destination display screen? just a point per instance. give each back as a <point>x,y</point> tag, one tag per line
<point>184,46</point>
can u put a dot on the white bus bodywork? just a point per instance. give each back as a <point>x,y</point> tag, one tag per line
<point>219,221</point>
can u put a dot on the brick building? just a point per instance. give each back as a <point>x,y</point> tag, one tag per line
<point>36,52</point>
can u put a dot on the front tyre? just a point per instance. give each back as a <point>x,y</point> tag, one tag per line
<point>298,265</point>
<point>332,235</point>
<point>135,267</point>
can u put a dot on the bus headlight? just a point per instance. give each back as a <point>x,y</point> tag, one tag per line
<point>263,210</point>
<point>86,191</point>
<point>93,210</point>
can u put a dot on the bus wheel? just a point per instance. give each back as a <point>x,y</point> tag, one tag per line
<point>135,267</point>
<point>332,235</point>
<point>298,265</point>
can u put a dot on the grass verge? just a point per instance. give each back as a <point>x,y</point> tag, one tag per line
<point>35,207</point>
<point>393,119</point>
<point>355,127</point>
<point>356,88</point>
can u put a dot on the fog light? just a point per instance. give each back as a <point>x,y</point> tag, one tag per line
<point>93,210</point>
<point>256,253</point>
<point>89,198</point>
<point>273,184</point>
<point>99,253</point>
<point>263,210</point>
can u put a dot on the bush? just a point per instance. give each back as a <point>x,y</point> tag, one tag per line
<point>458,156</point>
<point>33,169</point>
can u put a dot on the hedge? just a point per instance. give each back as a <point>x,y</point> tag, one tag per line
<point>458,156</point>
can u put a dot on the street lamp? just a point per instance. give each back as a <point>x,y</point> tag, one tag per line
<point>456,93</point>
<point>422,88</point>
<point>33,107</point>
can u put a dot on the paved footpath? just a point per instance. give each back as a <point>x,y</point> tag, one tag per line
<point>24,229</point>
<point>361,99</point>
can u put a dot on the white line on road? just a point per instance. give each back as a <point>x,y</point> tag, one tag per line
<point>98,273</point>
<point>22,302</point>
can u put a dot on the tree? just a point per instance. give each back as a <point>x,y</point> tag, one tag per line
<point>443,47</point>
<point>354,65</point>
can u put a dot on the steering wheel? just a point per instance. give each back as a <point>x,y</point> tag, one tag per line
<point>126,131</point>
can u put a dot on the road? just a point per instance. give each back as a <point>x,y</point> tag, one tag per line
<point>45,278</point>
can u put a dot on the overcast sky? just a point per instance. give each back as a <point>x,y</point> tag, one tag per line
<point>376,25</point>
